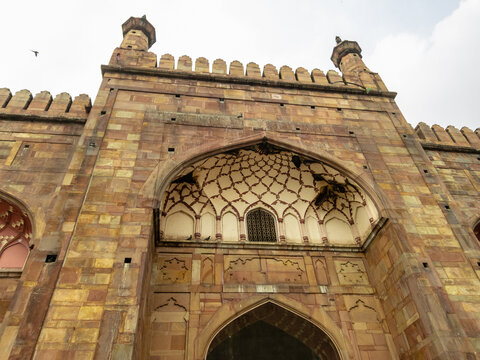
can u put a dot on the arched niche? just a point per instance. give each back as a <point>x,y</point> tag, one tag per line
<point>16,234</point>
<point>362,221</point>
<point>282,181</point>
<point>339,231</point>
<point>179,226</point>
<point>293,233</point>
<point>313,230</point>
<point>207,225</point>
<point>230,227</point>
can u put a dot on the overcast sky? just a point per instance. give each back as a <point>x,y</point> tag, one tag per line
<point>426,50</point>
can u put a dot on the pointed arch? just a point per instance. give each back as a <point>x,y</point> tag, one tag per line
<point>166,170</point>
<point>336,181</point>
<point>230,312</point>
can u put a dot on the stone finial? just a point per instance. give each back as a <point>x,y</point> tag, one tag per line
<point>343,48</point>
<point>338,39</point>
<point>141,24</point>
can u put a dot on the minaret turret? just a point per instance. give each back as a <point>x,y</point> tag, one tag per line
<point>138,34</point>
<point>347,56</point>
<point>138,37</point>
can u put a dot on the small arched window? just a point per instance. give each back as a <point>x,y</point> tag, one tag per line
<point>261,226</point>
<point>476,231</point>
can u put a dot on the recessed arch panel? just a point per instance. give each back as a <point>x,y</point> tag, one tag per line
<point>230,227</point>
<point>292,229</point>
<point>270,332</point>
<point>179,226</point>
<point>282,182</point>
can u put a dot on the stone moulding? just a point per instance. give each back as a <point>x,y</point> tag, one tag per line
<point>45,118</point>
<point>243,80</point>
<point>449,148</point>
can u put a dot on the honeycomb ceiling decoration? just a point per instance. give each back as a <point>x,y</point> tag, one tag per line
<point>15,229</point>
<point>279,181</point>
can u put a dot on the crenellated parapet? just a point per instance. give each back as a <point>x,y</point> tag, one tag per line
<point>253,71</point>
<point>139,35</point>
<point>43,106</point>
<point>450,136</point>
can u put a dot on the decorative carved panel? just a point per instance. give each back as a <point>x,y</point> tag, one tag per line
<point>168,324</point>
<point>172,270</point>
<point>351,272</point>
<point>264,270</point>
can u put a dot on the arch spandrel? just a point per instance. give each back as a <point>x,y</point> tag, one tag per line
<point>284,180</point>
<point>230,312</point>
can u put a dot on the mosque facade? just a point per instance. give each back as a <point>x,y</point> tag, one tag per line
<point>202,211</point>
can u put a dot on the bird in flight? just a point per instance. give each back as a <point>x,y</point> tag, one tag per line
<point>35,52</point>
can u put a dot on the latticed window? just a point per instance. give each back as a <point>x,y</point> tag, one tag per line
<point>261,226</point>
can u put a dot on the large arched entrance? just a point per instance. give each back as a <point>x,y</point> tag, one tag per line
<point>271,332</point>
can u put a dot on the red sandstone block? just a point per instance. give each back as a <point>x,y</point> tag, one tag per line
<point>19,101</point>
<point>457,136</point>
<point>167,62</point>
<point>472,137</point>
<point>334,78</point>
<point>5,96</point>
<point>81,105</point>
<point>201,65</point>
<point>219,67</point>
<point>286,73</point>
<point>253,70</point>
<point>270,72</point>
<point>236,68</point>
<point>442,135</point>
<point>40,102</point>
<point>184,63</point>
<point>424,132</point>
<point>302,75</point>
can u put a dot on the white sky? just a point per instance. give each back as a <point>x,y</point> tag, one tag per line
<point>426,50</point>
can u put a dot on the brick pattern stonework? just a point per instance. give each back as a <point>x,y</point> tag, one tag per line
<point>102,281</point>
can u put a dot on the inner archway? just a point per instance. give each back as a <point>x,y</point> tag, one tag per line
<point>271,332</point>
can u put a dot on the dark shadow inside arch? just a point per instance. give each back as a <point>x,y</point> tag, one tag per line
<point>476,230</point>
<point>270,332</point>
